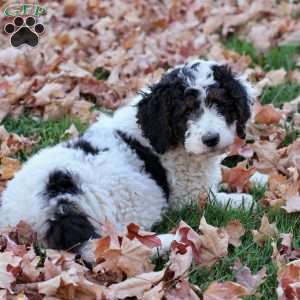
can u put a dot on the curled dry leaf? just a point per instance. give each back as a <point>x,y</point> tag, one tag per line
<point>226,290</point>
<point>276,77</point>
<point>71,132</point>
<point>265,231</point>
<point>135,286</point>
<point>240,147</point>
<point>268,115</point>
<point>292,198</point>
<point>129,256</point>
<point>214,243</point>
<point>6,277</point>
<point>245,278</point>
<point>237,177</point>
<point>235,231</point>
<point>149,239</point>
<point>188,237</point>
<point>289,281</point>
<point>9,167</point>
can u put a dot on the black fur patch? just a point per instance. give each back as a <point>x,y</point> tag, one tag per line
<point>230,97</point>
<point>69,229</point>
<point>151,161</point>
<point>163,113</point>
<point>61,182</point>
<point>83,145</point>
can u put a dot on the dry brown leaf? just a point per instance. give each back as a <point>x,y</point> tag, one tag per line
<point>149,239</point>
<point>188,237</point>
<point>6,277</point>
<point>130,257</point>
<point>268,115</point>
<point>276,77</point>
<point>240,147</point>
<point>72,132</point>
<point>182,290</point>
<point>226,290</point>
<point>289,281</point>
<point>235,231</point>
<point>9,166</point>
<point>292,198</point>
<point>214,243</point>
<point>245,278</point>
<point>237,177</point>
<point>136,286</point>
<point>266,231</point>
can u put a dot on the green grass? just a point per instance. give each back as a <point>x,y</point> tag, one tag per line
<point>250,254</point>
<point>280,57</point>
<point>280,94</point>
<point>46,132</point>
<point>242,47</point>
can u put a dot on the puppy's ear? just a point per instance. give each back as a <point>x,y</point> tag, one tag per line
<point>159,111</point>
<point>154,118</point>
<point>240,92</point>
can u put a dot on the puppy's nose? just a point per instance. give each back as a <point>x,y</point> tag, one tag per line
<point>211,139</point>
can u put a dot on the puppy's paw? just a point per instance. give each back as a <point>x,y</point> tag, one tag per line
<point>236,200</point>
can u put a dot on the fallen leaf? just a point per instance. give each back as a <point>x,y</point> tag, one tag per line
<point>245,278</point>
<point>9,167</point>
<point>235,231</point>
<point>237,177</point>
<point>149,239</point>
<point>6,277</point>
<point>288,281</point>
<point>226,290</point>
<point>214,243</point>
<point>268,115</point>
<point>265,232</point>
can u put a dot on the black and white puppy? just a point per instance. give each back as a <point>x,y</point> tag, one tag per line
<point>162,149</point>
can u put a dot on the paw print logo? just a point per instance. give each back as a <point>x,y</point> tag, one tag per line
<point>24,31</point>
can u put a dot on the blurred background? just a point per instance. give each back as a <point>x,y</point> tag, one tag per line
<point>95,55</point>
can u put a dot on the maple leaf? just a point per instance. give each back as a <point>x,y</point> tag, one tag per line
<point>237,177</point>
<point>245,278</point>
<point>129,256</point>
<point>268,115</point>
<point>289,278</point>
<point>149,239</point>
<point>240,147</point>
<point>9,167</point>
<point>265,231</point>
<point>226,290</point>
<point>235,231</point>
<point>214,243</point>
<point>6,277</point>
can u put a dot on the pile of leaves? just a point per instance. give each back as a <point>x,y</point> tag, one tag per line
<point>93,58</point>
<point>122,268</point>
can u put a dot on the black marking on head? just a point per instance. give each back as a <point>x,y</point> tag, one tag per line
<point>61,182</point>
<point>163,112</point>
<point>85,146</point>
<point>151,161</point>
<point>69,228</point>
<point>230,97</point>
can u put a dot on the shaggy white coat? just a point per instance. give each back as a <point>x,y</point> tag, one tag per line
<point>112,182</point>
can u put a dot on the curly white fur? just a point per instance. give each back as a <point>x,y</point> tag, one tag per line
<point>114,183</point>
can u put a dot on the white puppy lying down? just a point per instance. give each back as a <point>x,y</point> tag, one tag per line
<point>162,149</point>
